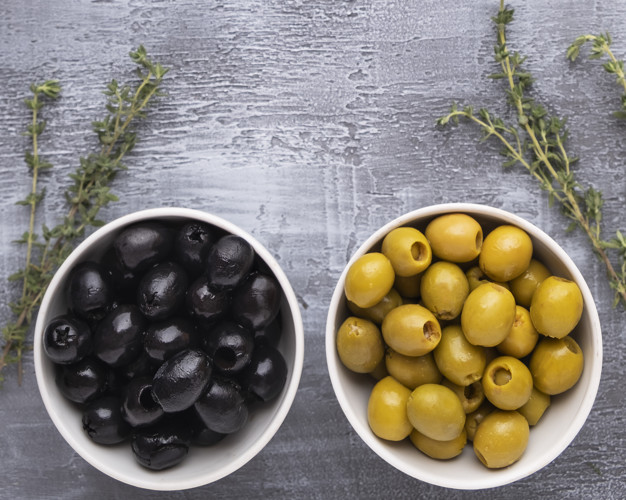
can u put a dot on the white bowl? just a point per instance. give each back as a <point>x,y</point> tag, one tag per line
<point>203,465</point>
<point>548,438</point>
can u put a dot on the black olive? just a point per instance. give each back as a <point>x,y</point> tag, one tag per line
<point>82,381</point>
<point>143,244</point>
<point>230,345</point>
<point>103,421</point>
<point>90,291</point>
<point>266,374</point>
<point>222,407</point>
<point>257,301</point>
<point>118,339</point>
<point>229,261</point>
<point>139,408</point>
<point>271,333</point>
<point>124,282</point>
<point>205,303</point>
<point>203,436</point>
<point>192,245</point>
<point>181,380</point>
<point>67,339</point>
<point>161,446</point>
<point>167,337</point>
<point>161,291</point>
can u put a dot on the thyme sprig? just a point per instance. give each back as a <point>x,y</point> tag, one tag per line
<point>601,46</point>
<point>537,142</point>
<point>88,193</point>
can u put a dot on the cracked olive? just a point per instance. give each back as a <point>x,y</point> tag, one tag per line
<point>471,396</point>
<point>436,412</point>
<point>408,251</point>
<point>556,307</point>
<point>378,311</point>
<point>412,371</point>
<point>359,345</point>
<point>444,289</point>
<point>488,315</point>
<point>386,410</point>
<point>556,364</point>
<point>369,279</point>
<point>455,237</point>
<point>535,407</point>
<point>161,446</point>
<point>458,360</point>
<point>501,439</point>
<point>411,330</point>
<point>507,383</point>
<point>522,338</point>
<point>440,450</point>
<point>506,253</point>
<point>523,287</point>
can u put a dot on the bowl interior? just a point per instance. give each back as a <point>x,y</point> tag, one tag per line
<point>203,465</point>
<point>548,438</point>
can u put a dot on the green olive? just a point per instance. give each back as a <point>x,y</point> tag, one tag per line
<point>386,410</point>
<point>455,237</point>
<point>488,315</point>
<point>408,250</point>
<point>440,450</point>
<point>411,329</point>
<point>369,279</point>
<point>359,345</point>
<point>458,360</point>
<point>408,286</point>
<point>412,371</point>
<point>535,407</point>
<point>523,287</point>
<point>378,311</point>
<point>501,439</point>
<point>471,396</point>
<point>522,338</point>
<point>556,307</point>
<point>444,289</point>
<point>556,364</point>
<point>507,383</point>
<point>506,253</point>
<point>436,412</point>
<point>475,278</point>
<point>473,420</point>
<point>380,371</point>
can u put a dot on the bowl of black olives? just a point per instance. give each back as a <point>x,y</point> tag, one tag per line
<point>168,348</point>
<point>464,346</point>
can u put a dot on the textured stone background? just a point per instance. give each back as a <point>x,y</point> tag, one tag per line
<point>309,123</point>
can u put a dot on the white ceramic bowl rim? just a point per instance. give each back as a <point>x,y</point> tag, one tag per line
<point>68,431</point>
<point>496,477</point>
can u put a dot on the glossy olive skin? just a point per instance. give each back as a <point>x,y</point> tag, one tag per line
<point>386,410</point>
<point>142,245</point>
<point>501,439</point>
<point>222,407</point>
<point>270,334</point>
<point>90,292</point>
<point>165,338</point>
<point>205,303</point>
<point>506,253</point>
<point>436,412</point>
<point>459,361</point>
<point>67,339</point>
<point>369,279</point>
<point>192,244</point>
<point>139,408</point>
<point>412,371</point>
<point>266,374</point>
<point>488,315</point>
<point>473,419</point>
<point>440,450</point>
<point>455,237</point>
<point>103,421</point>
<point>161,446</point>
<point>230,345</point>
<point>522,338</point>
<point>411,329</point>
<point>229,261</point>
<point>118,338</point>
<point>408,251</point>
<point>507,383</point>
<point>378,311</point>
<point>556,364</point>
<point>256,302</point>
<point>161,291</point>
<point>359,344</point>
<point>82,381</point>
<point>180,381</point>
<point>471,396</point>
<point>409,286</point>
<point>523,287</point>
<point>444,289</point>
<point>556,307</point>
<point>535,407</point>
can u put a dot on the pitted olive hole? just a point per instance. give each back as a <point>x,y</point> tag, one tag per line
<point>431,332</point>
<point>196,235</point>
<point>469,392</point>
<point>146,399</point>
<point>225,358</point>
<point>501,376</point>
<point>479,240</point>
<point>63,333</point>
<point>418,251</point>
<point>571,345</point>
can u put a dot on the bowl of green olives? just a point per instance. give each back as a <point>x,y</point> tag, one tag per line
<point>168,348</point>
<point>464,346</point>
